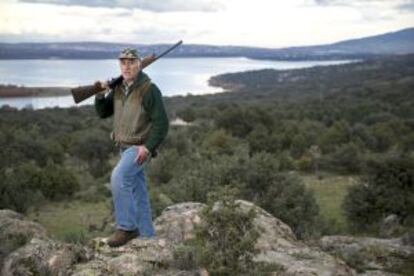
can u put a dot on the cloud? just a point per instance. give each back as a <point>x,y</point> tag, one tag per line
<point>266,23</point>
<point>402,3</point>
<point>150,5</point>
<point>370,10</point>
<point>331,2</point>
<point>407,7</point>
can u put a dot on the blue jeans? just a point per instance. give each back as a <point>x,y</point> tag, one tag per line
<point>130,196</point>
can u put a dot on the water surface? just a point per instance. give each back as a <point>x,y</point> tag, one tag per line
<point>174,76</point>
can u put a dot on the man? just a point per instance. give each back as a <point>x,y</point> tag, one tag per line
<point>140,125</point>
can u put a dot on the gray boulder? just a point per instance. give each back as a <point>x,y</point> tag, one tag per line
<point>391,226</point>
<point>366,254</point>
<point>27,250</point>
<point>277,244</point>
<point>176,223</point>
<point>42,257</point>
<point>15,232</point>
<point>13,224</point>
<point>138,257</point>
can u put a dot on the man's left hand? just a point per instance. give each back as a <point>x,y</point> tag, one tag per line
<point>142,154</point>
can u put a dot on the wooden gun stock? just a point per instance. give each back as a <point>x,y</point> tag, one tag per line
<point>81,93</point>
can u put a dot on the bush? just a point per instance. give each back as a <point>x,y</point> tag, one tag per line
<point>28,185</point>
<point>238,121</point>
<point>159,201</point>
<point>205,176</point>
<point>259,180</point>
<point>75,236</point>
<point>187,114</point>
<point>288,199</point>
<point>55,182</point>
<point>257,172</point>
<point>388,188</point>
<point>220,142</point>
<point>226,240</point>
<point>16,190</point>
<point>346,158</point>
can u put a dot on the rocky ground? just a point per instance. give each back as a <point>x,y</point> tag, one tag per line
<point>26,249</point>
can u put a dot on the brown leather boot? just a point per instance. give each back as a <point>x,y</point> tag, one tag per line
<point>121,237</point>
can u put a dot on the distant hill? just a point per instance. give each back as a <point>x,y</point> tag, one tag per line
<point>400,42</point>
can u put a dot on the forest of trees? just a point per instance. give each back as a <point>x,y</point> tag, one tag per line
<point>355,119</point>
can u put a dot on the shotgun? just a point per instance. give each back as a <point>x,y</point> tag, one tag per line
<point>81,93</point>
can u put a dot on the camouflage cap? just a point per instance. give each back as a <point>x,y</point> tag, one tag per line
<point>129,53</point>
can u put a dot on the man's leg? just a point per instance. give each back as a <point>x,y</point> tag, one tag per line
<point>123,182</point>
<point>144,219</point>
<point>130,196</point>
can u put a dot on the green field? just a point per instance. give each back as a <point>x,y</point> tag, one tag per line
<point>72,220</point>
<point>330,192</point>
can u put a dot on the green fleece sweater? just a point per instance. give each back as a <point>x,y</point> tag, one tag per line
<point>153,105</point>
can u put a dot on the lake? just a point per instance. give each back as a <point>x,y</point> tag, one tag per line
<point>174,76</point>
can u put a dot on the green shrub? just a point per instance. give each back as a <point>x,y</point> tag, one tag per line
<point>388,188</point>
<point>55,182</point>
<point>16,190</point>
<point>77,237</point>
<point>226,240</point>
<point>288,199</point>
<point>346,158</point>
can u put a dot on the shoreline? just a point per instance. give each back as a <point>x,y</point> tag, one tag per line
<point>16,91</point>
<point>12,90</point>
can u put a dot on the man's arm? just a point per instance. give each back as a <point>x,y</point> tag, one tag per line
<point>104,105</point>
<point>153,104</point>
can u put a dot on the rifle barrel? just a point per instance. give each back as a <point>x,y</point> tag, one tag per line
<point>169,50</point>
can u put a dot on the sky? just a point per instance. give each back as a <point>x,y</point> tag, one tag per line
<point>259,23</point>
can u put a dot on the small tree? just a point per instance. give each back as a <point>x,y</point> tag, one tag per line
<point>226,239</point>
<point>288,199</point>
<point>387,189</point>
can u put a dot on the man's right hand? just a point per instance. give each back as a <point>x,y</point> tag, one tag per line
<point>104,85</point>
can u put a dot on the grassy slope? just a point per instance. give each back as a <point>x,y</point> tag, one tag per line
<point>70,220</point>
<point>330,192</point>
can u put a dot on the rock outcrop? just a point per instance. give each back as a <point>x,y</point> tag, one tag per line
<point>26,249</point>
<point>390,226</point>
<point>370,254</point>
<point>276,244</point>
<point>15,231</point>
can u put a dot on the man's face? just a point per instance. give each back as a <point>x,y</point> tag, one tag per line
<point>129,68</point>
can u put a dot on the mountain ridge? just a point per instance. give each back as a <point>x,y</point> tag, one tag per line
<point>397,42</point>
